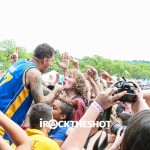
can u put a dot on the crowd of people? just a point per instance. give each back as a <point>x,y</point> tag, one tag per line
<point>25,100</point>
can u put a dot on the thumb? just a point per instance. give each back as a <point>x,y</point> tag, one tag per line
<point>137,94</point>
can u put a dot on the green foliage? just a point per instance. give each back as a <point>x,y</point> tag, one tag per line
<point>140,70</point>
<point>128,69</point>
<point>55,63</point>
<point>7,47</point>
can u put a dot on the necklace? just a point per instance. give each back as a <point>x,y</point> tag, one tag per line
<point>34,61</point>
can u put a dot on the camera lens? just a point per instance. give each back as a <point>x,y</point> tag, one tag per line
<point>120,109</point>
<point>115,128</point>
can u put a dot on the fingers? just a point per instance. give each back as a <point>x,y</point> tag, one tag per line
<point>65,55</point>
<point>119,95</point>
<point>120,131</point>
<point>138,92</point>
<point>139,95</point>
<point>90,73</point>
<point>117,102</point>
<point>88,67</point>
<point>111,91</point>
<point>105,74</point>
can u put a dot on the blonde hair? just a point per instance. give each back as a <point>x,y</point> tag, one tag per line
<point>80,81</point>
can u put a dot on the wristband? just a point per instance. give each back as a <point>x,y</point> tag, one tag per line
<point>97,106</point>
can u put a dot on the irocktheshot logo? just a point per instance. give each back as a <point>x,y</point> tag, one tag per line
<point>53,124</point>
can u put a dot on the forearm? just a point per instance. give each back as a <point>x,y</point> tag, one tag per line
<point>42,94</point>
<point>146,94</point>
<point>99,85</point>
<point>15,132</point>
<point>141,106</point>
<point>4,145</point>
<point>45,99</point>
<point>95,87</point>
<point>90,115</point>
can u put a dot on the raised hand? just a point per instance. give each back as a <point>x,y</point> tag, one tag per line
<point>64,62</point>
<point>74,62</point>
<point>105,75</point>
<point>14,56</point>
<point>92,71</point>
<point>109,79</point>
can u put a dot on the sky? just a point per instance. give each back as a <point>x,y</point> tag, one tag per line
<point>113,29</point>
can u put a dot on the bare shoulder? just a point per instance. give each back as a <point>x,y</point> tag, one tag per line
<point>32,75</point>
<point>35,83</point>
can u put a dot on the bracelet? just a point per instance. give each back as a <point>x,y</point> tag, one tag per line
<point>97,106</point>
<point>96,79</point>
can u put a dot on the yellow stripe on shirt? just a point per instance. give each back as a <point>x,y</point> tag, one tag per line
<point>15,105</point>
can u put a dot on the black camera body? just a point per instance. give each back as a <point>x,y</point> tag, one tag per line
<point>126,86</point>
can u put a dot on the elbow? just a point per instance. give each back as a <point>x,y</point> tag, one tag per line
<point>25,144</point>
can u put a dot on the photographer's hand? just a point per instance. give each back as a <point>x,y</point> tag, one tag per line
<point>118,140</point>
<point>106,98</point>
<point>140,103</point>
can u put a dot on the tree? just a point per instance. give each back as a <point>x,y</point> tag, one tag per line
<point>7,47</point>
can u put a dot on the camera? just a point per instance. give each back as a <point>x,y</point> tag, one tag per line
<point>126,86</point>
<point>116,127</point>
<point>120,109</point>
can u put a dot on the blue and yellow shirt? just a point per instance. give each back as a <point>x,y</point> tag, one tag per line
<point>15,97</point>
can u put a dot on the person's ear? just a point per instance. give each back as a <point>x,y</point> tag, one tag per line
<point>44,60</point>
<point>63,116</point>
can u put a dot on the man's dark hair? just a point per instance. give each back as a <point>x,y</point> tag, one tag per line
<point>38,111</point>
<point>44,51</point>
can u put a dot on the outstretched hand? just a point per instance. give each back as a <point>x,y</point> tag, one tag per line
<point>64,62</point>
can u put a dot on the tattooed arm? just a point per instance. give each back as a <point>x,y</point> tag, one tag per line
<point>34,81</point>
